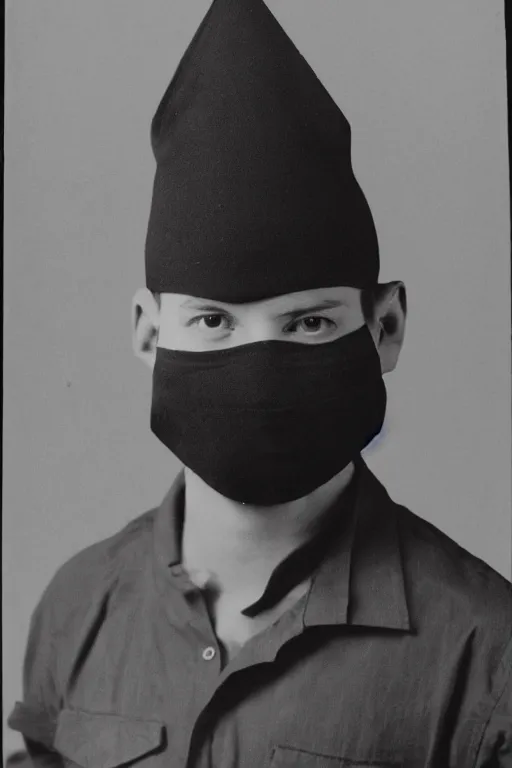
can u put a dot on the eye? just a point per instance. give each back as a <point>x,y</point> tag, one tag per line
<point>312,324</point>
<point>212,322</point>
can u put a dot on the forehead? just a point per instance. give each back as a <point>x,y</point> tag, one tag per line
<point>346,296</point>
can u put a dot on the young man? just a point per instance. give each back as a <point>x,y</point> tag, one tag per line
<point>278,609</point>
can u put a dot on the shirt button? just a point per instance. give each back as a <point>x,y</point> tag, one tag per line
<point>201,578</point>
<point>208,653</point>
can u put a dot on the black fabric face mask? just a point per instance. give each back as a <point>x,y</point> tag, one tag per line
<point>269,422</point>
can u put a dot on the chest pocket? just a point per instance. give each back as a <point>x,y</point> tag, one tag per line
<point>287,757</point>
<point>93,740</point>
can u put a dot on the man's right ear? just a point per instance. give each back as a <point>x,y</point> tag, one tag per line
<point>145,326</point>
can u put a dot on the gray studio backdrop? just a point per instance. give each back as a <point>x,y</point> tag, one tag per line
<point>423,84</point>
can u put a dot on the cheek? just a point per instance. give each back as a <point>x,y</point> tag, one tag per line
<point>375,333</point>
<point>352,320</point>
<point>172,335</point>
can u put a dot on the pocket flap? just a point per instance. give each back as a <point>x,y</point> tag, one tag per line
<point>105,741</point>
<point>34,723</point>
<point>288,757</point>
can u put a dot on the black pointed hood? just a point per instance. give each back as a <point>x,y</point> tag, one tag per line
<point>254,193</point>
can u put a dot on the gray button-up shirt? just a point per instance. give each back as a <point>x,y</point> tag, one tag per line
<point>399,654</point>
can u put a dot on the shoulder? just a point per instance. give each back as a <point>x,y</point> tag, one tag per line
<point>92,575</point>
<point>76,602</point>
<point>454,580</point>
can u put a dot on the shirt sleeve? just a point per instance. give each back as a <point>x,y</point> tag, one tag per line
<point>36,716</point>
<point>496,746</point>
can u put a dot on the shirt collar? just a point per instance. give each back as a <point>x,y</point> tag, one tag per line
<point>169,525</point>
<point>360,581</point>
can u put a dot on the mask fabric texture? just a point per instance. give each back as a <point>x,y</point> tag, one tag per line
<point>269,422</point>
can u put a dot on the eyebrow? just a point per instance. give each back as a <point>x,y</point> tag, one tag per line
<point>197,304</point>
<point>327,304</point>
<point>292,313</point>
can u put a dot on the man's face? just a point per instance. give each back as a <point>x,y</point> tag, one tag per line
<point>306,317</point>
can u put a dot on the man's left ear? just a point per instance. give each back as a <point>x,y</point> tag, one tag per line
<point>388,326</point>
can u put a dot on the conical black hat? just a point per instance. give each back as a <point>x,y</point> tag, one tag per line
<point>254,193</point>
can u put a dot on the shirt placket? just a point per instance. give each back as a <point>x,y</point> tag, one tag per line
<point>203,749</point>
<point>186,611</point>
<point>194,611</point>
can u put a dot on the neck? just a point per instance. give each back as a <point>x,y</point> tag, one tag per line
<point>240,544</point>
